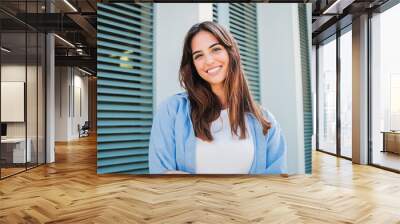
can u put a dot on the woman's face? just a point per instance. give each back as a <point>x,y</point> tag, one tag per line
<point>210,58</point>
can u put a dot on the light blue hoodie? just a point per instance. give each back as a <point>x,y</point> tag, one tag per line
<point>173,142</point>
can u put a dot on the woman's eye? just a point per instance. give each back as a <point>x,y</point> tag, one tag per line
<point>216,49</point>
<point>197,56</point>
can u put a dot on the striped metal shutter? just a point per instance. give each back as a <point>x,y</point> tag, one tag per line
<point>215,12</point>
<point>124,86</point>
<point>243,26</point>
<point>306,78</point>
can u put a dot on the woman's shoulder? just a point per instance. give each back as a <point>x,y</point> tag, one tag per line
<point>175,100</point>
<point>173,103</point>
<point>268,115</point>
<point>266,112</point>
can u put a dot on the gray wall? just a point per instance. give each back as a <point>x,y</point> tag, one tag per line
<point>280,74</point>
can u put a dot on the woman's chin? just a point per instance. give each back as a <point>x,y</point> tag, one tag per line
<point>215,79</point>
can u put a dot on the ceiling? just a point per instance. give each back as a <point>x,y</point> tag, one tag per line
<point>74,22</point>
<point>328,16</point>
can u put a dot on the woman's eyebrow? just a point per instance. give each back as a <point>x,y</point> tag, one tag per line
<point>212,45</point>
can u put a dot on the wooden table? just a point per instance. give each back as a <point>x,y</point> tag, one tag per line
<point>391,141</point>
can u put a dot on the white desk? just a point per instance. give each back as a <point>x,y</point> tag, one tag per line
<point>19,149</point>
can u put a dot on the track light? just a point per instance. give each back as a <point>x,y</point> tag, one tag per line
<point>70,5</point>
<point>329,9</point>
<point>86,72</point>
<point>65,41</point>
<point>5,50</point>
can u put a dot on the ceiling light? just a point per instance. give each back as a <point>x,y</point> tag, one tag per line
<point>331,7</point>
<point>86,72</point>
<point>70,5</point>
<point>5,50</point>
<point>65,41</point>
<point>79,51</point>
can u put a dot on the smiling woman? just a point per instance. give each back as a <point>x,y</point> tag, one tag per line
<point>211,61</point>
<point>215,126</point>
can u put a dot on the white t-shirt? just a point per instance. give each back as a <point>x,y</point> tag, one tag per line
<point>226,154</point>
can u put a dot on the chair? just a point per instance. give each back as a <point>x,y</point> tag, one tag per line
<point>84,130</point>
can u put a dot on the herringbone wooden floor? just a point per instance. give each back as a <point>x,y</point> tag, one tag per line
<point>70,191</point>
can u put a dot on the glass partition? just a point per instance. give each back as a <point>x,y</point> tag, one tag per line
<point>22,86</point>
<point>31,99</point>
<point>41,91</point>
<point>13,110</point>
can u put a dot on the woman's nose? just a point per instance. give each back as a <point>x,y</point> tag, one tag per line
<point>209,59</point>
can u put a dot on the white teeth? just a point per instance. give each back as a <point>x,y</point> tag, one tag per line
<point>214,70</point>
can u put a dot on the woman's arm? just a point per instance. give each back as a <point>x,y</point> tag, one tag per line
<point>276,148</point>
<point>175,172</point>
<point>162,140</point>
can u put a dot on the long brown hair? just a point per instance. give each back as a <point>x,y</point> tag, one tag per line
<point>205,105</point>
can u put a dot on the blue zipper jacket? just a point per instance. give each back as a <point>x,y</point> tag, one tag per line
<point>173,142</point>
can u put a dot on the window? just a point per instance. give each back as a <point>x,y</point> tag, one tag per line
<point>346,94</point>
<point>327,96</point>
<point>385,88</point>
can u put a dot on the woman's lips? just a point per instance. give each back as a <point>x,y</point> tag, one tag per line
<point>214,71</point>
